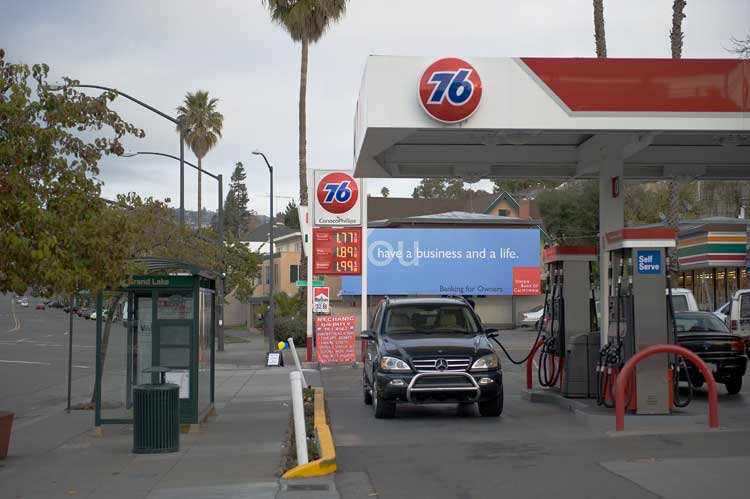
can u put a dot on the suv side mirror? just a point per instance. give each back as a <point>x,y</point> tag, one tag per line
<point>491,332</point>
<point>368,334</point>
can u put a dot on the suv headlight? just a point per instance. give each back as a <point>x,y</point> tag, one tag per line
<point>393,364</point>
<point>485,363</point>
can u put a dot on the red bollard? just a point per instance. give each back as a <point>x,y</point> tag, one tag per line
<point>713,398</point>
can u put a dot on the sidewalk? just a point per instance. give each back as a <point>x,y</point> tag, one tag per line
<point>236,454</point>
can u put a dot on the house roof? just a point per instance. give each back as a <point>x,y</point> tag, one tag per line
<point>260,233</point>
<point>386,208</point>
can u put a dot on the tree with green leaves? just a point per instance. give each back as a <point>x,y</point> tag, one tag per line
<point>202,125</point>
<point>236,214</point>
<point>514,186</point>
<point>56,233</point>
<point>571,212</point>
<point>291,215</point>
<point>444,188</point>
<point>385,192</point>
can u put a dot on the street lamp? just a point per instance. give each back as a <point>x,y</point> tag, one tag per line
<point>219,180</point>
<point>271,272</point>
<point>181,159</point>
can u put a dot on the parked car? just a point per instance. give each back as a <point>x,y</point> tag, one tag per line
<point>85,312</point>
<point>40,306</point>
<point>93,315</point>
<point>722,311</point>
<point>23,301</point>
<point>430,350</point>
<point>722,351</point>
<point>683,300</point>
<point>531,318</point>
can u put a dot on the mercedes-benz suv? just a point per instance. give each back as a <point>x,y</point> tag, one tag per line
<point>430,350</point>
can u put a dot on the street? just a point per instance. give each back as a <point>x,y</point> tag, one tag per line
<point>534,449</point>
<point>34,359</point>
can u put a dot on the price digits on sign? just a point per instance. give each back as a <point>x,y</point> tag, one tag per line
<point>348,236</point>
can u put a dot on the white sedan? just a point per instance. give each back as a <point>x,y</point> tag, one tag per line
<point>531,318</point>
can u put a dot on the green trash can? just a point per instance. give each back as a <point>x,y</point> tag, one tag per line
<point>156,415</point>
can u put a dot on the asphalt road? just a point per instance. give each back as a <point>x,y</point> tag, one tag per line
<point>34,359</point>
<point>533,449</point>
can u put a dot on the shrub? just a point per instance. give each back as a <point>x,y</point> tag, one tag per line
<point>290,327</point>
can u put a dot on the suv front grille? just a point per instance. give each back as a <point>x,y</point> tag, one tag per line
<point>428,364</point>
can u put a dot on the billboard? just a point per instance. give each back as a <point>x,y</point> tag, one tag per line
<point>450,262</point>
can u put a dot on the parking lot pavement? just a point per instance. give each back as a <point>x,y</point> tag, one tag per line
<point>531,450</point>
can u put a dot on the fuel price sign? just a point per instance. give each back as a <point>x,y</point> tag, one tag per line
<point>337,251</point>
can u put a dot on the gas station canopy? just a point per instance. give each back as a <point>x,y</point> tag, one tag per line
<point>556,119</point>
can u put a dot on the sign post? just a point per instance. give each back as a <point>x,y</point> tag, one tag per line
<point>363,265</point>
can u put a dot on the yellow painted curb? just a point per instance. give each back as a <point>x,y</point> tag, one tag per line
<point>327,462</point>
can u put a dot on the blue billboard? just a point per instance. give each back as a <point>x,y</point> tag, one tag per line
<point>445,261</point>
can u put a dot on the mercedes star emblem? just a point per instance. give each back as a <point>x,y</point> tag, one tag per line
<point>441,364</point>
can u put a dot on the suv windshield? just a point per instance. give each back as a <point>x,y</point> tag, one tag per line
<point>430,318</point>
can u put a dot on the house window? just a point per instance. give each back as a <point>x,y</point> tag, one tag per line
<point>502,213</point>
<point>293,273</point>
<point>298,247</point>
<point>276,274</point>
<point>267,270</point>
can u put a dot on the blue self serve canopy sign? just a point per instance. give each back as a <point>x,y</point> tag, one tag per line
<point>445,261</point>
<point>649,261</point>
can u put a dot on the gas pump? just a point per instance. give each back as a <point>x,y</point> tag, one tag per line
<point>639,317</point>
<point>568,355</point>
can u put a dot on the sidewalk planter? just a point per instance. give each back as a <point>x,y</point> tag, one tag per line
<point>6,422</point>
<point>327,462</point>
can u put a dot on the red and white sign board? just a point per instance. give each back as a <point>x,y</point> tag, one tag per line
<point>335,339</point>
<point>527,281</point>
<point>321,300</point>
<point>450,90</point>
<point>337,199</point>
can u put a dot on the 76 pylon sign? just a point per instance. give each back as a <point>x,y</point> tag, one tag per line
<point>337,199</point>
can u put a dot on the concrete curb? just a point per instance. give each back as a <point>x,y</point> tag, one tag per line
<point>554,398</point>
<point>327,462</point>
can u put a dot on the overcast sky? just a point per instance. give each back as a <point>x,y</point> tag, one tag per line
<point>158,50</point>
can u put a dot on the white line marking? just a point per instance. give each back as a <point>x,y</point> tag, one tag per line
<point>25,362</point>
<point>82,367</point>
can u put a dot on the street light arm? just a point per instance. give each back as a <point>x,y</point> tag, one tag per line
<point>216,177</point>
<point>259,153</point>
<point>129,97</point>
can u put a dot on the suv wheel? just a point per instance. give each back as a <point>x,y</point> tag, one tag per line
<point>734,385</point>
<point>383,408</point>
<point>491,408</point>
<point>366,392</point>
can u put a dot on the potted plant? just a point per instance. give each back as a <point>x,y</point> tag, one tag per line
<point>6,422</point>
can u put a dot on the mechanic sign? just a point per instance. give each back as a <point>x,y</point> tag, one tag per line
<point>334,339</point>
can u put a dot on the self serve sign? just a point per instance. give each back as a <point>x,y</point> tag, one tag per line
<point>649,261</point>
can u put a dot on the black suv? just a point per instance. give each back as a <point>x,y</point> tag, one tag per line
<point>430,350</point>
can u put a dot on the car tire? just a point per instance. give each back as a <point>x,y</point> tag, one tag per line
<point>366,393</point>
<point>734,385</point>
<point>696,381</point>
<point>383,408</point>
<point>491,408</point>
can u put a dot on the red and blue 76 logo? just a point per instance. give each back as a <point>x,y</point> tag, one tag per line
<point>450,90</point>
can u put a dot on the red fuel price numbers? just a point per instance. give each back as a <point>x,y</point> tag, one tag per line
<point>337,251</point>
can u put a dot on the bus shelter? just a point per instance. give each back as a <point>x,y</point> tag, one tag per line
<point>555,118</point>
<point>160,319</point>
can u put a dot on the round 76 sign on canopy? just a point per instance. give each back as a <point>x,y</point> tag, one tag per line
<point>450,90</point>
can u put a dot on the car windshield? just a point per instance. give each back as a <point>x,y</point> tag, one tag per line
<point>430,318</point>
<point>699,323</point>
<point>680,303</point>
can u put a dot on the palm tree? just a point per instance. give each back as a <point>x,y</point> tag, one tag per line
<point>306,21</point>
<point>202,125</point>
<point>599,37</point>
<point>676,37</point>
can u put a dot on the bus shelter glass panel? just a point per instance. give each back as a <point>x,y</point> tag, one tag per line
<point>205,352</point>
<point>125,350</point>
